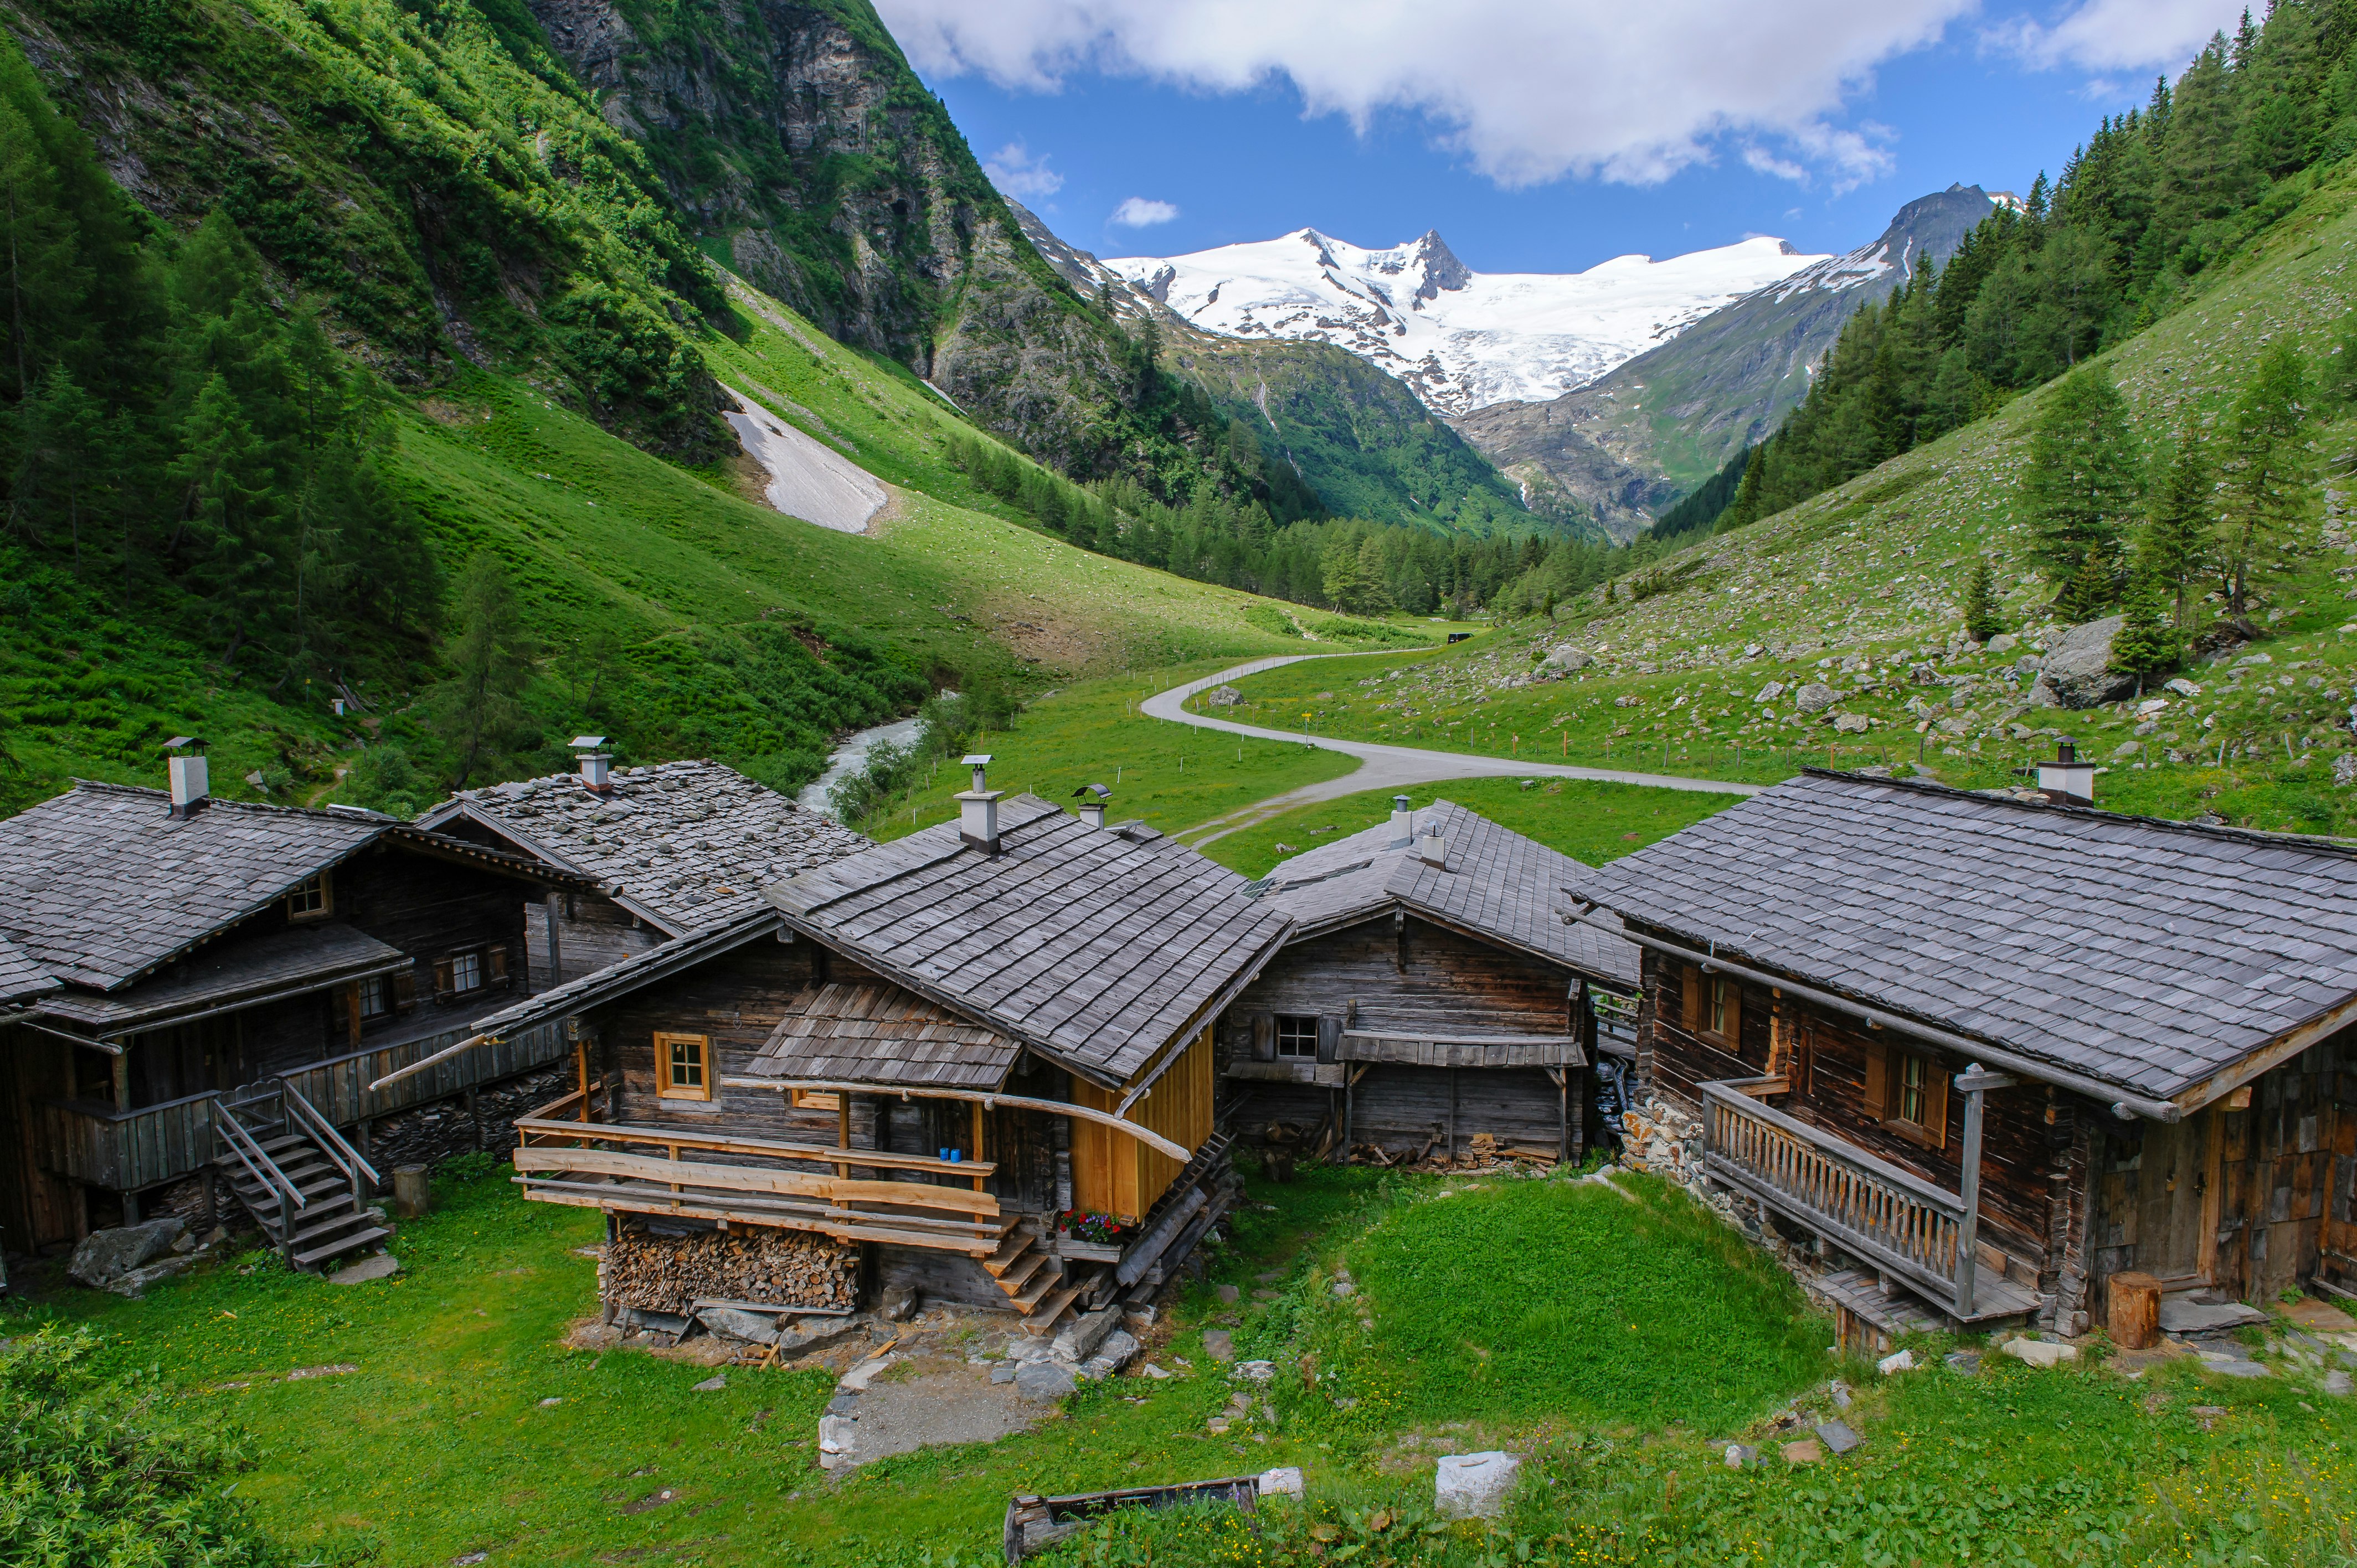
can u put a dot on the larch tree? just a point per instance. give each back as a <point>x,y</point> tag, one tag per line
<point>2267,493</point>
<point>2084,479</point>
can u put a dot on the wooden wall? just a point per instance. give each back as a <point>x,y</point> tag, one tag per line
<point>1112,1173</point>
<point>428,907</point>
<point>36,1209</point>
<point>592,933</point>
<point>1450,984</point>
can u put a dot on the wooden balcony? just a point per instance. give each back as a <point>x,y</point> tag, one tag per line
<point>1891,1218</point>
<point>341,1087</point>
<point>564,1156</point>
<point>126,1151</point>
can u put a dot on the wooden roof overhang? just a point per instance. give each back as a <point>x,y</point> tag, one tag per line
<point>275,967</point>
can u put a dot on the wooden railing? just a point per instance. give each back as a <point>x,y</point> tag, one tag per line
<point>338,1086</point>
<point>754,1181</point>
<point>1892,1218</point>
<point>127,1150</point>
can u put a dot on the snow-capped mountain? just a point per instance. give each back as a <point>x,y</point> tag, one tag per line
<point>1462,339</point>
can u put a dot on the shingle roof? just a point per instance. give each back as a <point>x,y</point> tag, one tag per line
<point>291,961</point>
<point>1094,947</point>
<point>20,977</point>
<point>685,845</point>
<point>602,985</point>
<point>103,883</point>
<point>866,1033</point>
<point>2147,954</point>
<point>1493,882</point>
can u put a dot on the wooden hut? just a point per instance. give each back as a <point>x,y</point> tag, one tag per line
<point>1984,1053</point>
<point>982,1054</point>
<point>187,981</point>
<point>666,849</point>
<point>1429,992</point>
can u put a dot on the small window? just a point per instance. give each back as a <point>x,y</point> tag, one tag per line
<point>817,1100</point>
<point>309,901</point>
<point>467,972</point>
<point>376,997</point>
<point>1908,1093</point>
<point>684,1066</point>
<point>1297,1038</point>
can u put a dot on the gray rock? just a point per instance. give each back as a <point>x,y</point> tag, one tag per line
<point>835,1433</point>
<point>105,1256</point>
<point>730,1323</point>
<point>1044,1382</point>
<point>2078,667</point>
<point>1003,1373</point>
<point>1968,1362</point>
<point>2179,1315</point>
<point>134,1284</point>
<point>2181,686</point>
<point>1840,1392</point>
<point>1229,1295</point>
<point>1225,697</point>
<point>1474,1486</point>
<point>1737,1456</point>
<point>898,1303</point>
<point>713,1384</point>
<point>1256,1372</point>
<point>812,1333</point>
<point>1813,698</point>
<point>1837,1437</point>
<point>1769,692</point>
<point>380,1266</point>
<point>1120,1348</point>
<point>2004,642</point>
<point>1569,658</point>
<point>657,1321</point>
<point>1850,723</point>
<point>2336,1382</point>
<point>1219,1345</point>
<point>1078,1340</point>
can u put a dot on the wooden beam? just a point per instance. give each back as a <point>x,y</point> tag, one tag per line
<point>1146,1136</point>
<point>436,1059</point>
<point>539,1124</point>
<point>2270,1056</point>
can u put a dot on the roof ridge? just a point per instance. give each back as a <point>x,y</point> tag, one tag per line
<point>213,801</point>
<point>2340,848</point>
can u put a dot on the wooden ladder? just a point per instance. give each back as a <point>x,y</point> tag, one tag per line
<point>1032,1280</point>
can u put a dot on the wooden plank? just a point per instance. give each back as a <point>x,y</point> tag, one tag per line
<point>980,1246</point>
<point>715,1143</point>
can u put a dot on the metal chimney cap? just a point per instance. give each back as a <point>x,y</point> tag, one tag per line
<point>1399,803</point>
<point>186,743</point>
<point>587,742</point>
<point>1099,790</point>
<point>978,760</point>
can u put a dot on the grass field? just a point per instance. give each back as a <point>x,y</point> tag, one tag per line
<point>1608,1338</point>
<point>1590,822</point>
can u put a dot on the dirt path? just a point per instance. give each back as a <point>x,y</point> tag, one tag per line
<point>1381,766</point>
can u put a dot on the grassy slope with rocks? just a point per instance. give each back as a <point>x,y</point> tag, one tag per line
<point>1872,575</point>
<point>1626,1362</point>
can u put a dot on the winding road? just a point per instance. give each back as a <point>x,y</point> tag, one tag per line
<point>1380,766</point>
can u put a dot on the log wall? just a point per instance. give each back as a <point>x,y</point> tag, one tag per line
<point>592,934</point>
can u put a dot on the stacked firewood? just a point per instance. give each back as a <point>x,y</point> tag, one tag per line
<point>775,1268</point>
<point>1482,1152</point>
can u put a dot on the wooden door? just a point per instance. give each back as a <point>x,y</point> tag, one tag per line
<point>2176,1199</point>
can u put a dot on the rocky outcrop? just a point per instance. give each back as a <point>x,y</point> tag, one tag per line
<point>2077,669</point>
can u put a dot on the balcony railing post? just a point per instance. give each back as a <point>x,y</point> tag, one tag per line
<point>1975,1082</point>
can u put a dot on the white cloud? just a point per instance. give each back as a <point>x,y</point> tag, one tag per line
<point>1016,173</point>
<point>2119,35</point>
<point>1765,162</point>
<point>1528,91</point>
<point>1140,212</point>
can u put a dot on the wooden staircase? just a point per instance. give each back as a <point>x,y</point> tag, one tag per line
<point>328,1225</point>
<point>1032,1280</point>
<point>301,1181</point>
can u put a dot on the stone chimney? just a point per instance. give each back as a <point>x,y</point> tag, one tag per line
<point>191,786</point>
<point>2066,780</point>
<point>596,763</point>
<point>978,808</point>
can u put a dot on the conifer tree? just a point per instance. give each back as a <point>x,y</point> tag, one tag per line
<point>480,709</point>
<point>2090,590</point>
<point>2148,642</point>
<point>1745,508</point>
<point>2083,481</point>
<point>1983,616</point>
<point>2267,493</point>
<point>2177,535</point>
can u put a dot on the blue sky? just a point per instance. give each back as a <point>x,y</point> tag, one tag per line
<point>1991,98</point>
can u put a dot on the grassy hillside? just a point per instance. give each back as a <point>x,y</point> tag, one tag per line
<point>1872,575</point>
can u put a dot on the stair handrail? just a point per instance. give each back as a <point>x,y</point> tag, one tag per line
<point>342,1154</point>
<point>255,1158</point>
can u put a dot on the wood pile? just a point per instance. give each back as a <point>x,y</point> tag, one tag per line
<point>1482,1152</point>
<point>778,1268</point>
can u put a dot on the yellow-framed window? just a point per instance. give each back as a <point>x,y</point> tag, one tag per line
<point>684,1066</point>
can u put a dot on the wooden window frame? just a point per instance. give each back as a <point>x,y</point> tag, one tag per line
<point>381,987</point>
<point>313,898</point>
<point>817,1100</point>
<point>1281,1034</point>
<point>668,1088</point>
<point>1887,1089</point>
<point>463,962</point>
<point>1711,1009</point>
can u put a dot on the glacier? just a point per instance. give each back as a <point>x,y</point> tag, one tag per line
<point>1460,338</point>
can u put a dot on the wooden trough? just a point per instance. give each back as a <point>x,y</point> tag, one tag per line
<point>1034,1524</point>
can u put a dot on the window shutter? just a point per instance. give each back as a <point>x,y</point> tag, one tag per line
<point>1329,1035</point>
<point>1735,1016</point>
<point>495,964</point>
<point>1264,1038</point>
<point>446,984</point>
<point>1878,1081</point>
<point>405,990</point>
<point>1690,1014</point>
<point>343,1003</point>
<point>1935,1102</point>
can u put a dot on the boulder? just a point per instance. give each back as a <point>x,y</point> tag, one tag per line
<point>2182,1314</point>
<point>1119,1348</point>
<point>898,1303</point>
<point>1285,1481</point>
<point>2039,1352</point>
<point>1474,1486</point>
<point>730,1323</point>
<point>810,1333</point>
<point>1078,1340</point>
<point>2077,669</point>
<point>1897,1361</point>
<point>2003,642</point>
<point>1219,1345</point>
<point>1569,658</point>
<point>1813,698</point>
<point>1769,692</point>
<point>1256,1372</point>
<point>2181,686</point>
<point>1850,723</point>
<point>1837,1437</point>
<point>103,1257</point>
<point>1225,697</point>
<point>1045,1382</point>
